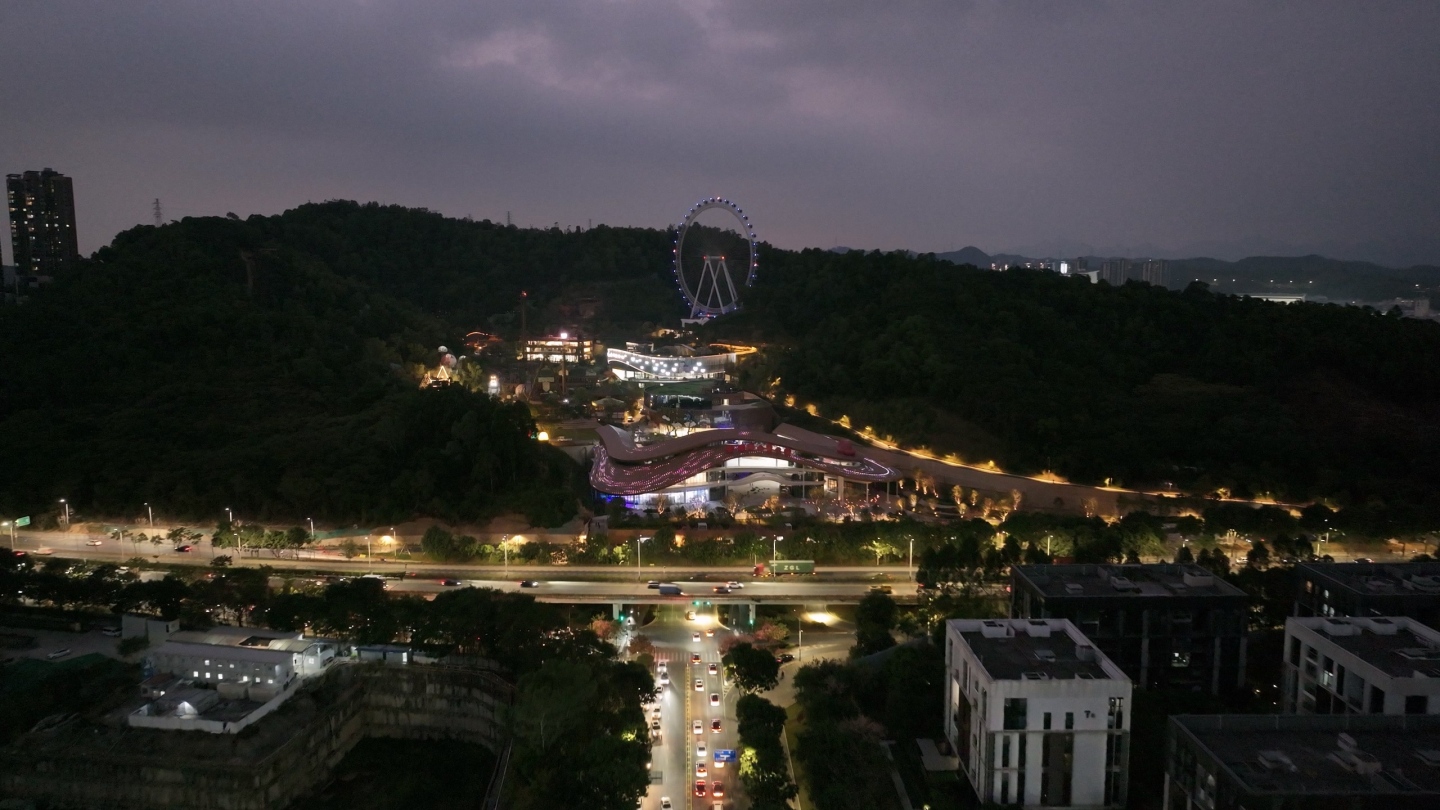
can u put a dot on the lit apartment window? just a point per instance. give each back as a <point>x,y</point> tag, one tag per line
<point>195,674</point>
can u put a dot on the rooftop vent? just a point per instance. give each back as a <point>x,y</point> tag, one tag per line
<point>1124,585</point>
<point>1382,627</point>
<point>1034,676</point>
<point>1084,652</point>
<point>1084,676</point>
<point>1045,655</point>
<point>1347,742</point>
<point>1198,580</point>
<point>1276,761</point>
<point>1419,653</point>
<point>1074,588</point>
<point>1357,762</point>
<point>1338,627</point>
<point>1037,628</point>
<point>995,629</point>
<point>1429,756</point>
<point>1426,584</point>
<point>1379,584</point>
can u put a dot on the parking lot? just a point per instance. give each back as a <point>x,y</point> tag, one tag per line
<point>49,641</point>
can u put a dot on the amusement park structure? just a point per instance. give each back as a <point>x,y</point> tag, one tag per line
<point>712,291</point>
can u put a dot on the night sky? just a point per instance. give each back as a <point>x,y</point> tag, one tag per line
<point>1148,128</point>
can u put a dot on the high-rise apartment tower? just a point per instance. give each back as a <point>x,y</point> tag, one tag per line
<point>42,222</point>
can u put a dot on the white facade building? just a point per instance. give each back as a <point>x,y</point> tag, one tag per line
<point>1037,716</point>
<point>1369,665</point>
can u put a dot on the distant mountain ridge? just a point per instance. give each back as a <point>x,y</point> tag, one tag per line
<point>1313,276</point>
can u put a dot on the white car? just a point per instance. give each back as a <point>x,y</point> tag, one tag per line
<point>700,750</point>
<point>714,699</point>
<point>714,669</point>
<point>695,637</point>
<point>734,586</point>
<point>665,803</point>
<point>94,542</point>
<point>694,726</point>
<point>699,685</point>
<point>62,653</point>
<point>664,678</point>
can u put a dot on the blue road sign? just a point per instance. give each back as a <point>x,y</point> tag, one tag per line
<point>725,755</point>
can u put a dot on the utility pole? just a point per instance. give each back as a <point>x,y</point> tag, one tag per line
<point>150,512</point>
<point>507,219</point>
<point>159,218</point>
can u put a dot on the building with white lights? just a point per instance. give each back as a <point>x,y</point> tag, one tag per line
<point>642,362</point>
<point>750,464</point>
<point>1370,665</point>
<point>564,347</point>
<point>1036,714</point>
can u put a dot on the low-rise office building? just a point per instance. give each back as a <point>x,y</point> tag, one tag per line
<point>1037,715</point>
<point>1369,589</point>
<point>1164,625</point>
<point>1299,762</point>
<point>1354,665</point>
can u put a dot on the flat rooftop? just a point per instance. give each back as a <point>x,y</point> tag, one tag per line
<point>1306,754</point>
<point>1010,653</point>
<point>1405,648</point>
<point>226,652</point>
<point>1149,580</point>
<point>1378,579</point>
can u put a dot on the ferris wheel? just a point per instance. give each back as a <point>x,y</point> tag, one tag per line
<point>709,288</point>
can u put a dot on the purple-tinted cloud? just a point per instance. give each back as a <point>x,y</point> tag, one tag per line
<point>1168,128</point>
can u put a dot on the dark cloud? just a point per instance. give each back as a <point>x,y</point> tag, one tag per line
<point>1164,128</point>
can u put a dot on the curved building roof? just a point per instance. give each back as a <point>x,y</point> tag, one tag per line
<point>622,468</point>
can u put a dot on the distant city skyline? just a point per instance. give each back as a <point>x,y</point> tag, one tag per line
<point>1120,128</point>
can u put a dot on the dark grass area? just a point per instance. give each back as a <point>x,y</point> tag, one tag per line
<point>31,690</point>
<point>382,774</point>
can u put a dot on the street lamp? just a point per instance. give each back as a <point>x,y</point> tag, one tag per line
<point>151,513</point>
<point>912,559</point>
<point>229,516</point>
<point>312,529</point>
<point>505,549</point>
<point>66,504</point>
<point>774,547</point>
<point>11,524</point>
<point>638,541</point>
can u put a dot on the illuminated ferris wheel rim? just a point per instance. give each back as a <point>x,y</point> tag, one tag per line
<point>692,296</point>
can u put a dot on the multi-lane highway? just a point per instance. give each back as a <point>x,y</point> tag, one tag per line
<point>752,590</point>
<point>688,741</point>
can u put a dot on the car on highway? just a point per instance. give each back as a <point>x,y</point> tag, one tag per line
<point>715,726</point>
<point>655,724</point>
<point>734,586</point>
<point>655,710</point>
<point>45,552</point>
<point>700,769</point>
<point>1363,560</point>
<point>697,728</point>
<point>700,750</point>
<point>112,632</point>
<point>93,542</point>
<point>695,636</point>
<point>664,678</point>
<point>714,669</point>
<point>185,548</point>
<point>694,658</point>
<point>881,589</point>
<point>529,583</point>
<point>665,803</point>
<point>699,685</point>
<point>449,583</point>
<point>784,658</point>
<point>714,698</point>
<point>699,787</point>
<point>717,789</point>
<point>710,633</point>
<point>689,615</point>
<point>66,651</point>
<point>653,584</point>
<point>721,589</point>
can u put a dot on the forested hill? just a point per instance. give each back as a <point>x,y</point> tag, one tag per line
<point>169,371</point>
<point>1134,384</point>
<point>267,365</point>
